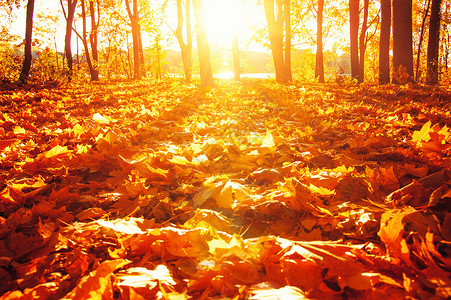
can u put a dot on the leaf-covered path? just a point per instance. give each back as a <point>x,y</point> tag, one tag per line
<point>251,190</point>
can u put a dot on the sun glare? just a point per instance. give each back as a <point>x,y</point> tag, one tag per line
<point>222,19</point>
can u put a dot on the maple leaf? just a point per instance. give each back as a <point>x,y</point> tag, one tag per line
<point>423,134</point>
<point>262,292</point>
<point>98,282</point>
<point>142,283</point>
<point>205,218</point>
<point>224,195</point>
<point>268,141</point>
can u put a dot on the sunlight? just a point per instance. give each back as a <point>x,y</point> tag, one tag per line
<point>222,19</point>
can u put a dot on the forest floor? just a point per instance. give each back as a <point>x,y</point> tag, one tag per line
<point>157,190</point>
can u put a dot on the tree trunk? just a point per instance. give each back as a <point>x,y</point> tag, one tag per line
<point>362,42</point>
<point>420,43</point>
<point>275,30</point>
<point>85,41</point>
<point>71,5</point>
<point>136,37</point>
<point>158,50</point>
<point>402,41</point>
<point>384,44</point>
<point>433,44</point>
<point>28,55</point>
<point>129,61</point>
<point>140,47</point>
<point>354,38</point>
<point>56,53</point>
<point>236,57</point>
<point>206,75</point>
<point>287,18</point>
<point>319,69</point>
<point>185,47</point>
<point>93,38</point>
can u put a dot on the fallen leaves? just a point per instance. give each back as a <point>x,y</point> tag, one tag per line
<point>252,190</point>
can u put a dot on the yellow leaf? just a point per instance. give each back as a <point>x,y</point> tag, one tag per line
<point>231,195</point>
<point>57,150</point>
<point>123,226</point>
<point>423,134</point>
<point>199,160</point>
<point>219,247</point>
<point>19,130</point>
<point>78,130</point>
<point>142,277</point>
<point>320,190</point>
<point>286,292</point>
<point>98,284</point>
<point>444,132</point>
<point>100,119</point>
<point>180,160</point>
<point>206,218</point>
<point>82,149</point>
<point>268,141</point>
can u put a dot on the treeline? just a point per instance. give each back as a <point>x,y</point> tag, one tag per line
<point>386,41</point>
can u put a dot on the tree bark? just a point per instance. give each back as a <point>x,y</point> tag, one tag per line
<point>138,56</point>
<point>275,30</point>
<point>354,38</point>
<point>71,5</point>
<point>433,44</point>
<point>185,47</point>
<point>287,18</point>
<point>85,42</point>
<point>384,44</point>
<point>28,55</point>
<point>362,42</point>
<point>93,38</point>
<point>319,69</point>
<point>206,75</point>
<point>402,41</point>
<point>420,43</point>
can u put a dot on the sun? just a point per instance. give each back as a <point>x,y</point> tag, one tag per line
<point>222,19</point>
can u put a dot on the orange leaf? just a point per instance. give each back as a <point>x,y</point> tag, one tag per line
<point>97,285</point>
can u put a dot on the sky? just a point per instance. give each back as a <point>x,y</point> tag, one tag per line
<point>18,25</point>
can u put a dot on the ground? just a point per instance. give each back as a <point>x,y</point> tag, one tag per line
<point>162,190</point>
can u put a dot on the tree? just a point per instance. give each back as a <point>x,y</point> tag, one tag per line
<point>185,47</point>
<point>206,75</point>
<point>113,38</point>
<point>157,56</point>
<point>402,41</point>
<point>287,21</point>
<point>277,15</point>
<point>93,37</point>
<point>92,64</point>
<point>71,5</point>
<point>362,42</point>
<point>46,32</point>
<point>384,43</point>
<point>433,43</point>
<point>28,39</point>
<point>138,55</point>
<point>354,36</point>
<point>420,43</point>
<point>9,5</point>
<point>319,66</point>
